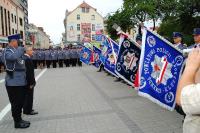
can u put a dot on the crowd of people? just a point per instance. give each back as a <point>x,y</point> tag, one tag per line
<point>17,61</point>
<point>52,57</point>
<point>57,57</point>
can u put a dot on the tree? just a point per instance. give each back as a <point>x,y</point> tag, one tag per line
<point>120,17</point>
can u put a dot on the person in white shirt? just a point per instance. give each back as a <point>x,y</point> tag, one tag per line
<point>188,93</point>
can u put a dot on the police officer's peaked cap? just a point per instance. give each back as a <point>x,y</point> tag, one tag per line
<point>177,34</point>
<point>14,37</point>
<point>196,31</point>
<point>139,38</point>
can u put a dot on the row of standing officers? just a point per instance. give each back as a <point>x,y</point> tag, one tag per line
<point>48,57</point>
<point>53,57</point>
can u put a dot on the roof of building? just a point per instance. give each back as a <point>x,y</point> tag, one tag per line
<point>85,5</point>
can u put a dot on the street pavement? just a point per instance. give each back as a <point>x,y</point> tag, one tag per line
<point>81,100</point>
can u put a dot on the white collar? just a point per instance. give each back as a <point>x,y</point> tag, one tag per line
<point>27,55</point>
<point>176,45</point>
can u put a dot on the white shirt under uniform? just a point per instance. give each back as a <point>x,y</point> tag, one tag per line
<point>190,102</point>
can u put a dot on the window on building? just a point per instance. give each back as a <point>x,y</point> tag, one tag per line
<point>13,31</point>
<point>21,21</point>
<point>93,27</point>
<point>22,34</point>
<point>12,19</point>
<point>25,20</point>
<point>87,10</point>
<point>2,24</point>
<point>15,19</point>
<point>78,27</point>
<point>83,9</point>
<point>26,12</point>
<point>78,37</point>
<point>9,29</point>
<point>25,3</point>
<point>78,17</point>
<point>93,37</point>
<point>5,15</point>
<point>93,17</point>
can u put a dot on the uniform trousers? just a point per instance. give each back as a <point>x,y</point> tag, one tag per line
<point>16,96</point>
<point>60,62</point>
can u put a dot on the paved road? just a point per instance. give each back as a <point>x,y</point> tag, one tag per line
<point>80,100</point>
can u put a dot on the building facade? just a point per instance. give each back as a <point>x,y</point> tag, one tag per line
<point>38,37</point>
<point>13,17</point>
<point>82,24</point>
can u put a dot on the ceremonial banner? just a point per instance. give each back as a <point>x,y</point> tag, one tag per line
<point>104,48</point>
<point>160,68</point>
<point>128,60</point>
<point>111,57</point>
<point>97,53</point>
<point>85,55</point>
<point>115,47</point>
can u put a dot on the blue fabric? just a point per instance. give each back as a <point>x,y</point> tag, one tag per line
<point>97,53</point>
<point>85,55</point>
<point>160,69</point>
<point>98,38</point>
<point>111,57</point>
<point>128,61</point>
<point>104,44</point>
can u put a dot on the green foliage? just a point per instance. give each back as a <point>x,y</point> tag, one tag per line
<point>176,15</point>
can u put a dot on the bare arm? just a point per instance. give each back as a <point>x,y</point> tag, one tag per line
<point>188,77</point>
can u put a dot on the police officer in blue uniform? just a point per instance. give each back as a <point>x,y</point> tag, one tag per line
<point>79,55</point>
<point>1,61</point>
<point>67,57</point>
<point>15,80</point>
<point>34,58</point>
<point>43,57</point>
<point>178,43</point>
<point>47,58</point>
<point>74,57</point>
<point>196,36</point>
<point>60,57</point>
<point>54,57</point>
<point>39,58</point>
<point>139,40</point>
<point>178,40</point>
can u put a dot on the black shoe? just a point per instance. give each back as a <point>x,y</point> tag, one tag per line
<point>25,121</point>
<point>22,124</point>
<point>31,113</point>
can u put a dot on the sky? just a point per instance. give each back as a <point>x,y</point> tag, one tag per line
<point>50,14</point>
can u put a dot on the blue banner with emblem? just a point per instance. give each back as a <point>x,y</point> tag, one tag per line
<point>115,47</point>
<point>97,60</point>
<point>111,57</point>
<point>104,48</point>
<point>128,60</point>
<point>160,68</point>
<point>85,55</point>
